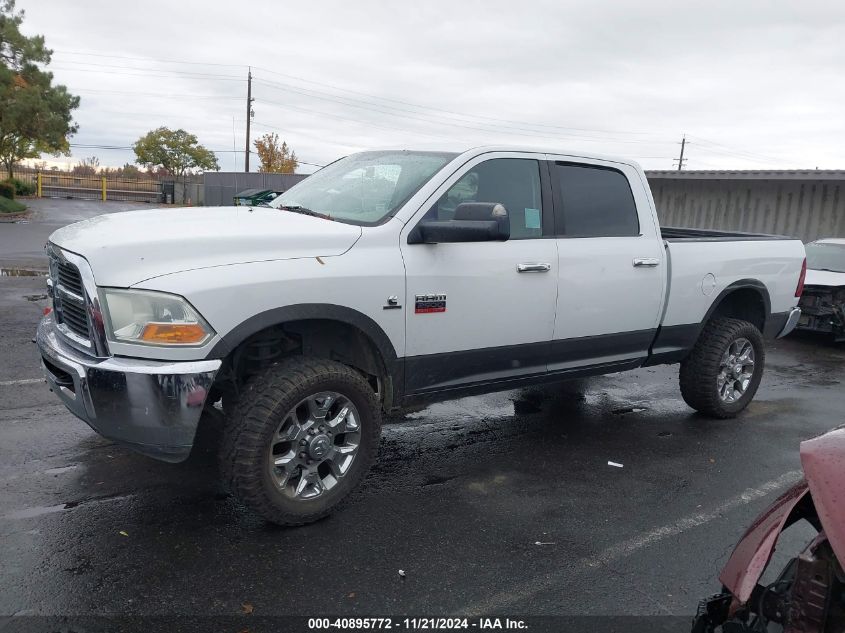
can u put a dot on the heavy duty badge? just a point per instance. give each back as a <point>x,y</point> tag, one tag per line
<point>425,304</point>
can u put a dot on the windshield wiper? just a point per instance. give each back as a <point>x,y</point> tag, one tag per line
<point>828,270</point>
<point>295,208</point>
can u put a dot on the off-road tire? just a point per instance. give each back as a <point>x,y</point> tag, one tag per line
<point>263,402</point>
<point>700,370</point>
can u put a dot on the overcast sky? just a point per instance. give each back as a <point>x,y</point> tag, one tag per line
<point>752,84</point>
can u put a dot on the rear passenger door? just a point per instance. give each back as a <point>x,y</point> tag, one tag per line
<point>611,265</point>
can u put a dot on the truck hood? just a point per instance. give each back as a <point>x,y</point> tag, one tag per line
<point>126,248</point>
<point>824,278</point>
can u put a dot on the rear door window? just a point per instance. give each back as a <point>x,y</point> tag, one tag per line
<point>594,201</point>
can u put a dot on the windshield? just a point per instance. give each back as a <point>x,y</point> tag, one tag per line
<point>821,256</point>
<point>364,188</point>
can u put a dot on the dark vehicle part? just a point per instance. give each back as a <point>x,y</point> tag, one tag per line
<point>302,437</point>
<point>722,373</point>
<point>255,197</point>
<point>823,310</point>
<point>473,222</point>
<point>809,594</point>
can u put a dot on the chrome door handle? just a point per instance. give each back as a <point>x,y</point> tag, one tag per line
<point>646,261</point>
<point>533,268</point>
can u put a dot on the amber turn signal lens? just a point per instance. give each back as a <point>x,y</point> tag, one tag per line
<point>173,333</point>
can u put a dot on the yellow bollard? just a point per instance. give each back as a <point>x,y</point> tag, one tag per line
<point>104,188</point>
<point>38,185</point>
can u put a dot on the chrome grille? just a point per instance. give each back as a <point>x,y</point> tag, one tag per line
<point>69,301</point>
<point>69,278</point>
<point>73,316</point>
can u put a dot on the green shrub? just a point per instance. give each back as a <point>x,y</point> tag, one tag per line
<point>7,205</point>
<point>22,187</point>
<point>7,190</point>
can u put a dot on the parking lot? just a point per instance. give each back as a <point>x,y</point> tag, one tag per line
<point>498,504</point>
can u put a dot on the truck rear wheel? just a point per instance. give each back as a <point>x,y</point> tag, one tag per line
<point>722,373</point>
<point>301,439</point>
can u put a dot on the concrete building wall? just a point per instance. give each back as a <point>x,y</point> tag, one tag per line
<point>221,186</point>
<point>805,204</point>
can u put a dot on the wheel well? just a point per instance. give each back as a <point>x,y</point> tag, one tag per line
<point>746,304</point>
<point>316,338</point>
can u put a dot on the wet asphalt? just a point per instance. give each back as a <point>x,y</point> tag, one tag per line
<point>502,503</point>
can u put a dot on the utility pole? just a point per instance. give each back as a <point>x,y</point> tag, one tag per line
<point>249,101</point>
<point>682,159</point>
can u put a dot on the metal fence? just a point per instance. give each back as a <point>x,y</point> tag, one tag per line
<point>221,187</point>
<point>807,204</point>
<point>51,184</point>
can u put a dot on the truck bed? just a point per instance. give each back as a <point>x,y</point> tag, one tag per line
<point>702,264</point>
<point>677,234</point>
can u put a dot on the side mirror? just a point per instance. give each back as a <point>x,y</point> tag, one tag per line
<point>473,222</point>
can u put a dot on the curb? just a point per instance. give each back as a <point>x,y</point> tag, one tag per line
<point>14,217</point>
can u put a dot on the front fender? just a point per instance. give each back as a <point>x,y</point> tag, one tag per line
<point>823,459</point>
<point>754,551</point>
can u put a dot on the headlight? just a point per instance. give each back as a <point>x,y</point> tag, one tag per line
<point>152,318</point>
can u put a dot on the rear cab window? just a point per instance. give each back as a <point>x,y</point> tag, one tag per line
<point>593,201</point>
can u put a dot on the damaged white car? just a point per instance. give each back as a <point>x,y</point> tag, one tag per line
<point>823,302</point>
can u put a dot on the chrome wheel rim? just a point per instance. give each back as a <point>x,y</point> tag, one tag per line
<point>313,448</point>
<point>735,370</point>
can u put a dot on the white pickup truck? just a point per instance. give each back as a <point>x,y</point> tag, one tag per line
<point>390,276</point>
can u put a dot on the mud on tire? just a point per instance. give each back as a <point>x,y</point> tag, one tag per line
<point>700,371</point>
<point>267,401</point>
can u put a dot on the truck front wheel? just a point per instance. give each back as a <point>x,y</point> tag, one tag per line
<point>721,375</point>
<point>301,439</point>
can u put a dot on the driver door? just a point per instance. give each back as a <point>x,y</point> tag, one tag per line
<point>483,312</point>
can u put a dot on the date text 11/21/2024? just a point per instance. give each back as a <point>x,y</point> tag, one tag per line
<point>431,624</point>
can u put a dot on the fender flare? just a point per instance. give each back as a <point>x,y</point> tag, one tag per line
<point>303,311</point>
<point>741,284</point>
<point>673,343</point>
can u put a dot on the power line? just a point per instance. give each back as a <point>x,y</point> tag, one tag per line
<point>526,126</point>
<point>168,96</point>
<point>452,112</point>
<point>438,119</point>
<point>513,131</point>
<point>347,102</point>
<point>152,59</point>
<point>739,153</point>
<point>284,130</point>
<point>147,72</point>
<point>403,109</point>
<point>130,148</point>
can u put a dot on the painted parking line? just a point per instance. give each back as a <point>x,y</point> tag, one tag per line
<point>23,381</point>
<point>524,592</point>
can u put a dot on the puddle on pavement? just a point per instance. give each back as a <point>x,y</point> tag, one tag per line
<point>474,406</point>
<point>624,410</point>
<point>61,469</point>
<point>37,511</point>
<point>22,272</point>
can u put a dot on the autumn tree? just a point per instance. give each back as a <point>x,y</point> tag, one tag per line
<point>275,158</point>
<point>35,115</point>
<point>177,151</point>
<point>87,166</point>
<point>128,171</point>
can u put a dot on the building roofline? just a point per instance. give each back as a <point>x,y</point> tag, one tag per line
<point>746,174</point>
